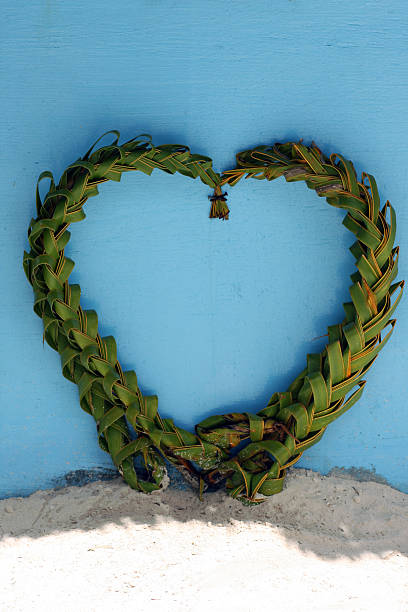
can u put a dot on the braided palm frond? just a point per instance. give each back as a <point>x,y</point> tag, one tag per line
<point>128,423</point>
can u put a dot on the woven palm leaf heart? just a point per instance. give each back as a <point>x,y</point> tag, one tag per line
<point>129,425</point>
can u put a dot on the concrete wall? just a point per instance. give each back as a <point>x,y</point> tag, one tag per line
<point>213,316</point>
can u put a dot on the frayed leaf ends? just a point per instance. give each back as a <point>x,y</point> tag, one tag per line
<point>219,207</point>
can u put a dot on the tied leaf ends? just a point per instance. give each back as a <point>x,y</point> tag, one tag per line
<point>219,206</point>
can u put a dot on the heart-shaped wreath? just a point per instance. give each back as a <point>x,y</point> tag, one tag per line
<point>276,436</point>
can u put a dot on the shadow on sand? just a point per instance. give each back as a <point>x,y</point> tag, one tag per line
<point>330,516</point>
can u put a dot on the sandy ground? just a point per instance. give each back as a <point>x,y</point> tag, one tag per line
<point>324,543</point>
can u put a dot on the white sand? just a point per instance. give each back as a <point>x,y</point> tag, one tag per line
<point>324,543</point>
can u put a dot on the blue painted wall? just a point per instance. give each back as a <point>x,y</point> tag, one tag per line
<point>206,312</point>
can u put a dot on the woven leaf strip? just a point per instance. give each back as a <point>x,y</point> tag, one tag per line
<point>128,423</point>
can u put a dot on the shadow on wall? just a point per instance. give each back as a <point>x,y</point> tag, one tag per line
<point>330,516</point>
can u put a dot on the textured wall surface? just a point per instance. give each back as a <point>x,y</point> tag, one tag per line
<point>213,316</point>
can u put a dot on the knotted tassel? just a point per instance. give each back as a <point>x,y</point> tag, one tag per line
<point>219,208</point>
